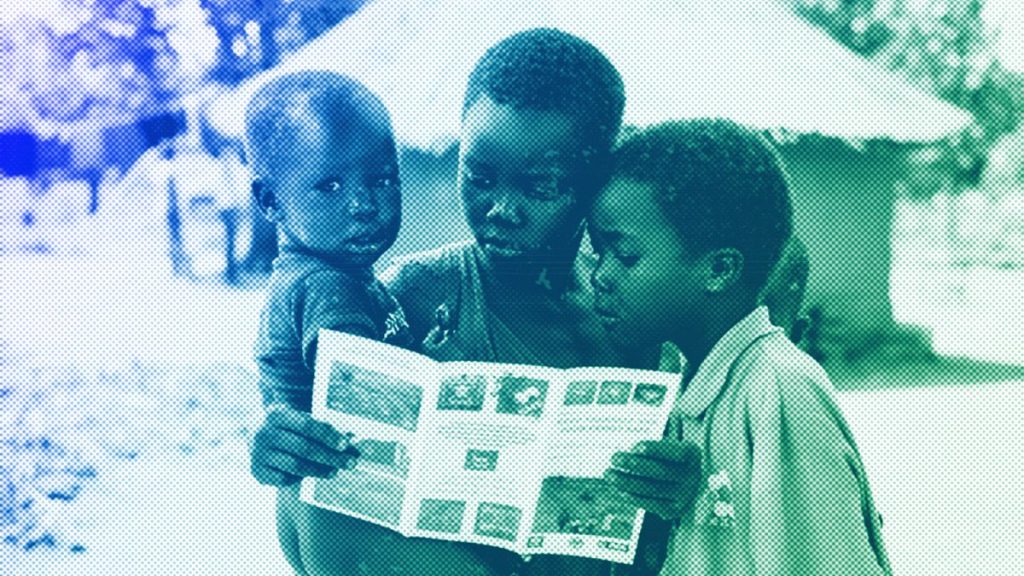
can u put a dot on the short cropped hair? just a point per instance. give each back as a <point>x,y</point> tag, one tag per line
<point>720,185</point>
<point>285,106</point>
<point>549,70</point>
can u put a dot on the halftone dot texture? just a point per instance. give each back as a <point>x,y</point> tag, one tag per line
<point>131,276</point>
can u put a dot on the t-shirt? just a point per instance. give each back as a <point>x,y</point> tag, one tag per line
<point>785,491</point>
<point>529,323</point>
<point>304,295</point>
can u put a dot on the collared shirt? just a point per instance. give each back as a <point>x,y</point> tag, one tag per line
<point>785,490</point>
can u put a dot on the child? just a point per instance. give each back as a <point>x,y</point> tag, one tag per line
<point>687,232</point>
<point>540,115</point>
<point>325,171</point>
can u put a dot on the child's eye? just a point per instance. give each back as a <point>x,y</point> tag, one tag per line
<point>477,180</point>
<point>382,181</point>
<point>332,186</point>
<point>628,260</point>
<point>545,188</point>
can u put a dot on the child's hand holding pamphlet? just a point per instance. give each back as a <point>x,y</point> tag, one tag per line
<point>498,454</point>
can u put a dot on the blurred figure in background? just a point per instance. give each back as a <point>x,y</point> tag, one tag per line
<point>176,245</point>
<point>784,292</point>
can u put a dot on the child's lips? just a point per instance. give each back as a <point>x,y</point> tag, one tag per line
<point>501,247</point>
<point>607,317</point>
<point>366,243</point>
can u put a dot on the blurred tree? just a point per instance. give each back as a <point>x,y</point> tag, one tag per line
<point>75,60</point>
<point>254,34</point>
<point>944,47</point>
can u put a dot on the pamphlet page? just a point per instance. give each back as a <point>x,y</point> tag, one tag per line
<point>598,412</point>
<point>376,395</point>
<point>499,454</point>
<point>482,462</point>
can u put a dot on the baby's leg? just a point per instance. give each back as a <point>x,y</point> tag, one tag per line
<point>287,531</point>
<point>332,544</point>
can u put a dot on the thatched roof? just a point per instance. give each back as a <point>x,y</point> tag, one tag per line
<point>754,62</point>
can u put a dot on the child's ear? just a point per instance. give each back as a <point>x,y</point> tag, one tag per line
<point>266,200</point>
<point>723,269</point>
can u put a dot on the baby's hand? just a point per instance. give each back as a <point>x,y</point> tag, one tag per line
<point>291,444</point>
<point>659,476</point>
<point>442,342</point>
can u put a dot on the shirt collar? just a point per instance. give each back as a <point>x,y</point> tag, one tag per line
<point>713,372</point>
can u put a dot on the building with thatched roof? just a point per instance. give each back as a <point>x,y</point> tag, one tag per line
<point>842,124</point>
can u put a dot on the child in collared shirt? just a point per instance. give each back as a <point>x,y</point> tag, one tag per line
<point>687,232</point>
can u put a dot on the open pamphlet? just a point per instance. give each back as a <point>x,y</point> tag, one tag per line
<point>498,454</point>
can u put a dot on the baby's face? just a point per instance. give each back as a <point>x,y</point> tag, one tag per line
<point>339,194</point>
<point>517,179</point>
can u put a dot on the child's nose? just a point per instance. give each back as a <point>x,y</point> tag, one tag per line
<point>600,278</point>
<point>362,203</point>
<point>505,208</point>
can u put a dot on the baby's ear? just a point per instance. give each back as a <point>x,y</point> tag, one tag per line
<point>265,200</point>
<point>723,269</point>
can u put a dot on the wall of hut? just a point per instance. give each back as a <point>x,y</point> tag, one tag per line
<point>843,202</point>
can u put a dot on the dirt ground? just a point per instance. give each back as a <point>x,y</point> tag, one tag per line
<point>128,353</point>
